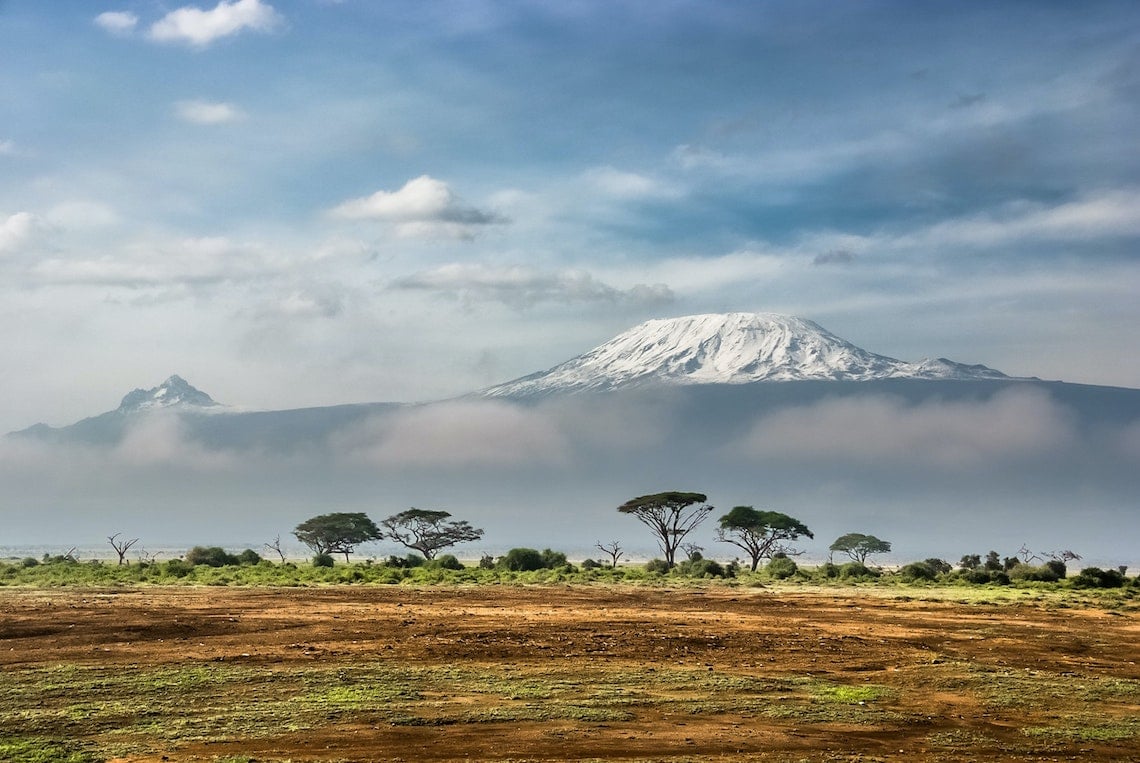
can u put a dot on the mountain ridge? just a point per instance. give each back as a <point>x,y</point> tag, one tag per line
<point>728,348</point>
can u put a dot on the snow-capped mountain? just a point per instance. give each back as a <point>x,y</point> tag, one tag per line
<point>732,348</point>
<point>175,392</point>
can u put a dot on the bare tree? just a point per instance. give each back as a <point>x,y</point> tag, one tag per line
<point>1026,555</point>
<point>612,548</point>
<point>147,557</point>
<point>121,546</point>
<point>276,546</point>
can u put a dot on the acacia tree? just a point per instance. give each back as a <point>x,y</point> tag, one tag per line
<point>337,533</point>
<point>670,516</point>
<point>760,534</point>
<point>859,546</point>
<point>427,531</point>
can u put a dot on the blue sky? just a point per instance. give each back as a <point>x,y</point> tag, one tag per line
<point>306,203</point>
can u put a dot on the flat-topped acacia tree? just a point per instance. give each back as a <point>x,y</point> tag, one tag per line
<point>337,533</point>
<point>859,546</point>
<point>760,534</point>
<point>670,516</point>
<point>427,531</point>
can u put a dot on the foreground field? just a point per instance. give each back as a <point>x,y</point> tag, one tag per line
<point>558,673</point>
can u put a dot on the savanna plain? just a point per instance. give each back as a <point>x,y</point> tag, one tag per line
<point>512,672</point>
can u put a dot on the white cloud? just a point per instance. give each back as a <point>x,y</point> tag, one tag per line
<point>207,112</point>
<point>17,230</point>
<point>199,28</point>
<point>520,286</point>
<point>628,185</point>
<point>159,439</point>
<point>7,148</point>
<point>117,22</point>
<point>424,206</point>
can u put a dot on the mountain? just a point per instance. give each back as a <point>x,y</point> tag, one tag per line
<point>175,392</point>
<point>938,457</point>
<point>731,348</point>
<point>208,422</point>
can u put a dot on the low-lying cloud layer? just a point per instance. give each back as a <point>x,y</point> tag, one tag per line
<point>1027,466</point>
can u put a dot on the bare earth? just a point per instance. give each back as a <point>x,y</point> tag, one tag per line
<point>563,673</point>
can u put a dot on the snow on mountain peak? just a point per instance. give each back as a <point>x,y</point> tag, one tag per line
<point>175,392</point>
<point>730,348</point>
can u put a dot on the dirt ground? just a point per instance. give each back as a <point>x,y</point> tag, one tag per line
<point>565,673</point>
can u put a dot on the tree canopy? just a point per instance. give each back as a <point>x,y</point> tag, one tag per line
<point>337,533</point>
<point>760,534</point>
<point>859,546</point>
<point>427,531</point>
<point>670,516</point>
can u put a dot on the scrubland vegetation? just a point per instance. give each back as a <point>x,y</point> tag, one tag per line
<point>219,567</point>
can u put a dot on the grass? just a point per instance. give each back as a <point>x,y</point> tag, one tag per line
<point>115,710</point>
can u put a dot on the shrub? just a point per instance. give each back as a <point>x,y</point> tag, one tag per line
<point>552,560</point>
<point>657,565</point>
<point>446,562</point>
<point>405,562</point>
<point>916,571</point>
<point>1058,568</point>
<point>829,570</point>
<point>522,560</point>
<point>1095,577</point>
<point>249,557</point>
<point>177,568</point>
<point>700,568</point>
<point>323,560</point>
<point>214,556</point>
<point>590,564</point>
<point>855,570</point>
<point>1042,574</point>
<point>781,568</point>
<point>29,561</point>
<point>940,566</point>
<point>486,562</point>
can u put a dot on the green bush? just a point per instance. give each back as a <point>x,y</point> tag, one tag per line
<point>590,564</point>
<point>486,562</point>
<point>1095,577</point>
<point>781,568</point>
<point>29,561</point>
<point>940,566</point>
<point>249,557</point>
<point>857,571</point>
<point>699,567</point>
<point>552,560</point>
<point>177,568</point>
<point>829,570</point>
<point>323,560</point>
<point>405,562</point>
<point>917,571</point>
<point>214,556</point>
<point>1028,572</point>
<point>522,560</point>
<point>657,565</point>
<point>445,562</point>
